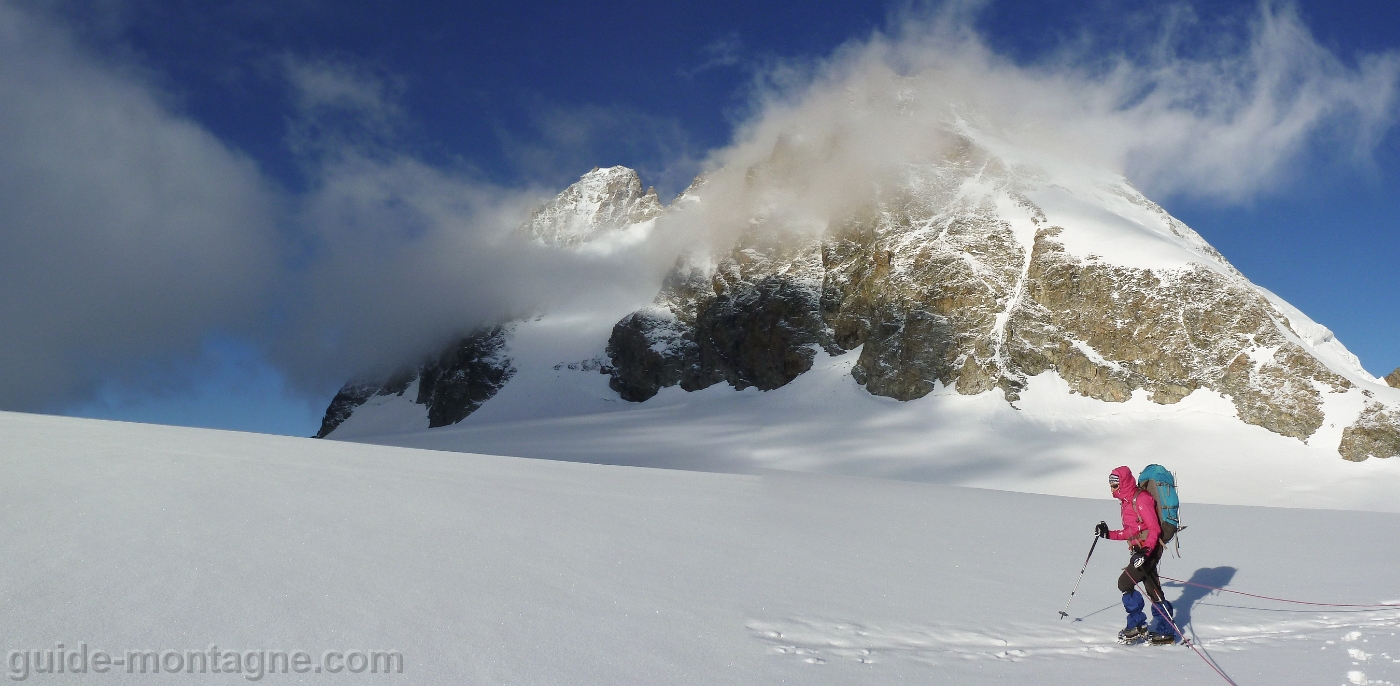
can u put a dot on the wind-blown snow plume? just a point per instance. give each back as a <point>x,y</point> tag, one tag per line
<point>1224,124</point>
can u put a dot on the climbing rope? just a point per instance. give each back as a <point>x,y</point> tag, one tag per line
<point>1211,663</point>
<point>1393,606</point>
<point>1186,641</point>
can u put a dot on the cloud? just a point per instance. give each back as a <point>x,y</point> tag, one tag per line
<point>126,232</point>
<point>725,51</point>
<point>407,256</point>
<point>323,84</point>
<point>131,237</point>
<point>401,256</point>
<point>341,104</point>
<point>1197,111</point>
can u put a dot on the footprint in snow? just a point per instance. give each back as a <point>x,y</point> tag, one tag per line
<point>932,644</point>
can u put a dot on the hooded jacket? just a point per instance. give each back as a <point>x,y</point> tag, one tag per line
<point>1140,526</point>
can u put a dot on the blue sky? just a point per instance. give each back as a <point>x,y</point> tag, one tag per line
<point>254,106</point>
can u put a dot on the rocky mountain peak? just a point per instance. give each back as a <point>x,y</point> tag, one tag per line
<point>601,202</point>
<point>976,272</point>
<point>1394,378</point>
<point>985,269</point>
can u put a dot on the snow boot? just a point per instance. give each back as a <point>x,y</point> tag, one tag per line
<point>1163,633</point>
<point>1132,634</point>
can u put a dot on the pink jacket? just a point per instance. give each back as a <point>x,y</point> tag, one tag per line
<point>1140,526</point>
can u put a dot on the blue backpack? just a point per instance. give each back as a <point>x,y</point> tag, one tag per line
<point>1161,485</point>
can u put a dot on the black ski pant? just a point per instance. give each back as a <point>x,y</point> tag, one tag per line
<point>1145,575</point>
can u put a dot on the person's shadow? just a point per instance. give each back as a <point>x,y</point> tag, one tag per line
<point>1218,577</point>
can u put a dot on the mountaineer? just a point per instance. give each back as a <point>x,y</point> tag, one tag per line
<point>1143,532</point>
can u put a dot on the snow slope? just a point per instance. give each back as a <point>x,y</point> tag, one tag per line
<point>496,570</point>
<point>1051,441</point>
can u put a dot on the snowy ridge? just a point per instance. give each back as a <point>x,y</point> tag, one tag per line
<point>1109,218</point>
<point>1321,342</point>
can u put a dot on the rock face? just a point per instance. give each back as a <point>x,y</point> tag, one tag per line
<point>1112,330</point>
<point>957,278</point>
<point>1393,379</point>
<point>1375,434</point>
<point>450,386</point>
<point>464,376</point>
<point>602,201</point>
<point>748,323</point>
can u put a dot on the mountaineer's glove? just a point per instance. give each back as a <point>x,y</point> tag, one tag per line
<point>1101,530</point>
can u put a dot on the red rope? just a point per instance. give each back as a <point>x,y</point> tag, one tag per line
<point>1211,663</point>
<point>1187,642</point>
<point>1281,600</point>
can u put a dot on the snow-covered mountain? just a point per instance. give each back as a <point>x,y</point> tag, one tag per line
<point>603,206</point>
<point>989,310</point>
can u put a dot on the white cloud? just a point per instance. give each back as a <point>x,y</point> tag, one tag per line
<point>406,256</point>
<point>1224,123</point>
<point>126,232</point>
<point>341,105</point>
<point>725,51</point>
<point>324,84</point>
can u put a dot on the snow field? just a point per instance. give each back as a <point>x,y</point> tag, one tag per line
<point>1051,441</point>
<point>496,570</point>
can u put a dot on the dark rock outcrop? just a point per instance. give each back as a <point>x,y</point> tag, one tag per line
<point>451,386</point>
<point>761,334</point>
<point>649,352</point>
<point>1393,378</point>
<point>464,376</point>
<point>357,393</point>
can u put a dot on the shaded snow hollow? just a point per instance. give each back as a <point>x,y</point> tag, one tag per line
<point>497,570</point>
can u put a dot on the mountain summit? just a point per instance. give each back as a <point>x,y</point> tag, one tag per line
<point>982,271</point>
<point>603,201</point>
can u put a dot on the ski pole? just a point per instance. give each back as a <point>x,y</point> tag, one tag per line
<point>1064,613</point>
